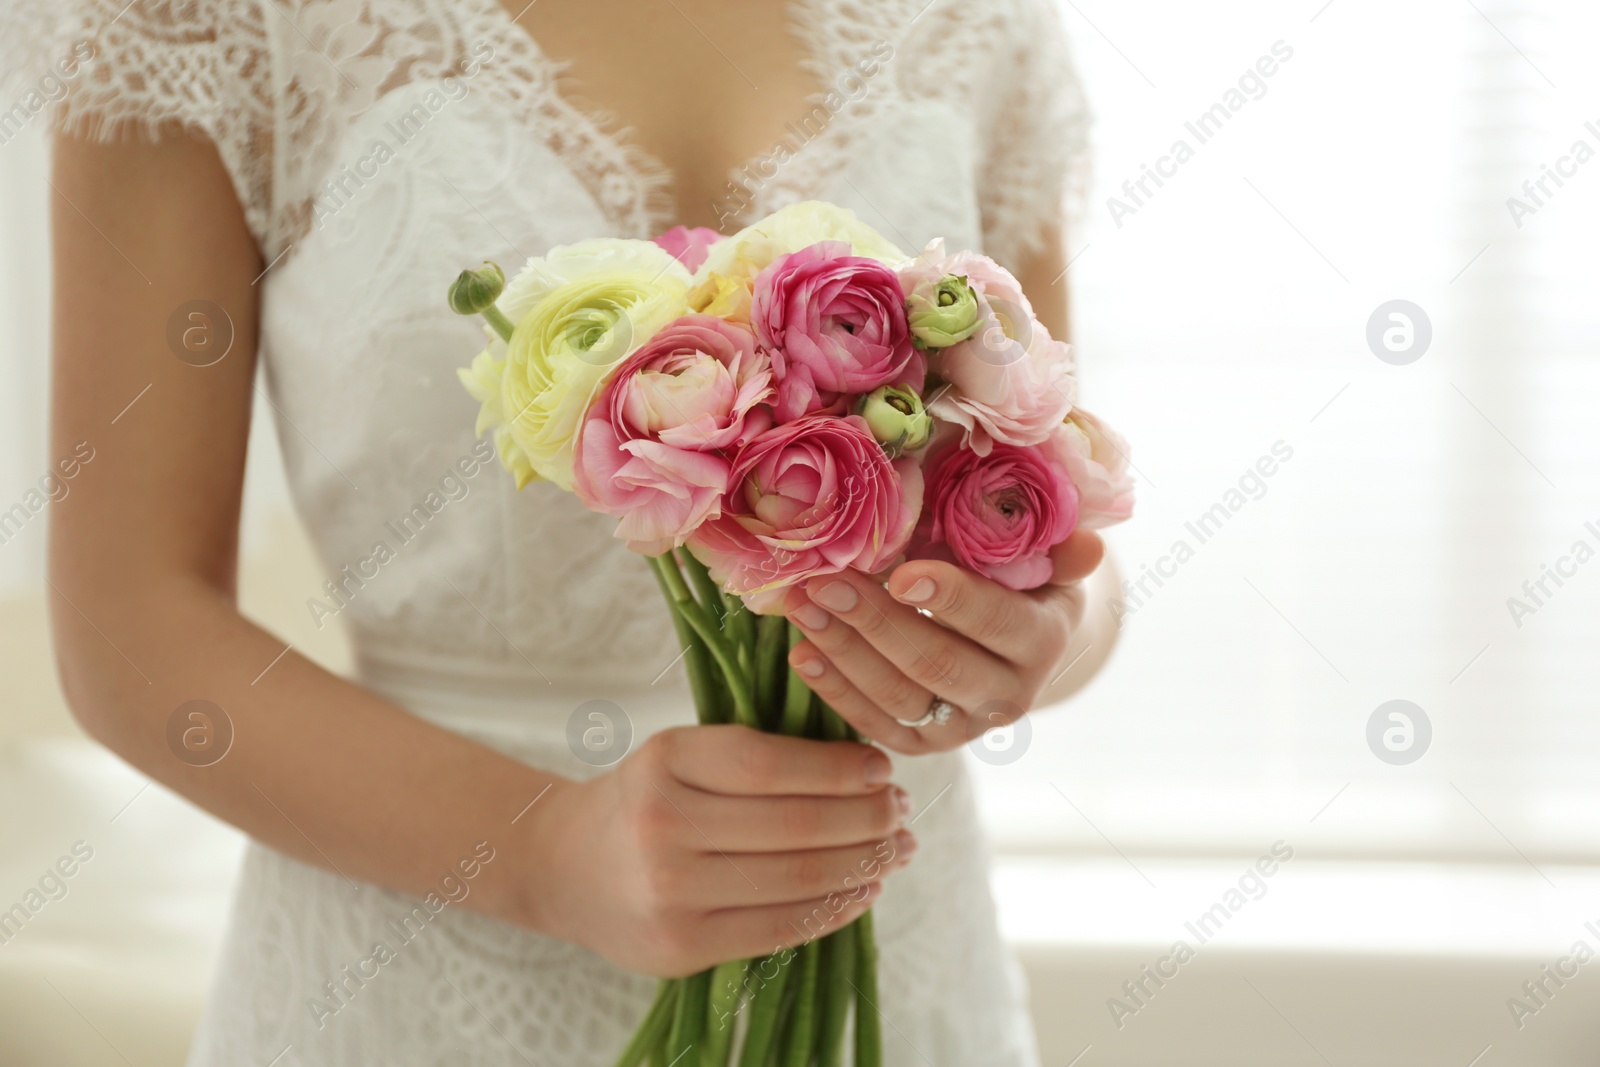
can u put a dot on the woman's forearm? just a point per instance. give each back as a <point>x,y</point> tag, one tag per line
<point>1092,639</point>
<point>318,767</point>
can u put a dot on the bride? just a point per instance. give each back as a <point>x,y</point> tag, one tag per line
<point>437,875</point>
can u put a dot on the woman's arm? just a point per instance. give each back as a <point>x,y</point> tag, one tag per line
<point>1094,630</point>
<point>142,568</point>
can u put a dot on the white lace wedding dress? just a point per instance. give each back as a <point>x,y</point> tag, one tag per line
<point>378,146</point>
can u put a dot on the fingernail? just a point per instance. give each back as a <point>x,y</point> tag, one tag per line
<point>902,800</point>
<point>920,592</point>
<point>905,844</point>
<point>809,617</point>
<point>878,768</point>
<point>813,668</point>
<point>837,596</point>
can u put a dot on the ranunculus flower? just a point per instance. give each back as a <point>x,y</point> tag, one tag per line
<point>809,497</point>
<point>579,310</point>
<point>1096,458</point>
<point>1009,381</point>
<point>654,443</point>
<point>688,245</point>
<point>999,514</point>
<point>896,418</point>
<point>747,252</point>
<point>942,311</point>
<point>835,323</point>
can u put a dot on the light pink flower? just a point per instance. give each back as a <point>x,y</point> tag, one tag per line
<point>809,497</point>
<point>1010,381</point>
<point>999,514</point>
<point>835,325</point>
<point>688,246</point>
<point>654,444</point>
<point>1096,458</point>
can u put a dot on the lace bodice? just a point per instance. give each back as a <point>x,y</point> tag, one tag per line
<point>379,145</point>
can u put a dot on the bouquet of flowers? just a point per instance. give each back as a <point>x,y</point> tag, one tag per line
<point>757,410</point>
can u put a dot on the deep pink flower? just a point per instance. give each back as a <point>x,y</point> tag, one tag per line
<point>688,245</point>
<point>835,324</point>
<point>655,446</point>
<point>999,514</point>
<point>809,497</point>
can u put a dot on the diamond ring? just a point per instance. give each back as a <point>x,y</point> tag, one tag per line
<point>939,712</point>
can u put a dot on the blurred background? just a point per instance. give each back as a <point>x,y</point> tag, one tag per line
<point>1354,336</point>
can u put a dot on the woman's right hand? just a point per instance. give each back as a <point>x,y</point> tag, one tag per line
<point>713,843</point>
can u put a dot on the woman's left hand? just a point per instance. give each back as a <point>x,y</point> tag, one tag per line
<point>988,650</point>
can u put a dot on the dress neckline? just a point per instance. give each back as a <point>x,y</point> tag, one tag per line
<point>654,182</point>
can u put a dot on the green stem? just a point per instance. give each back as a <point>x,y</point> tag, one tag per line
<point>654,1026</point>
<point>772,640</point>
<point>498,322</point>
<point>708,700</point>
<point>869,1027</point>
<point>802,1017</point>
<point>689,1020</point>
<point>722,1012</point>
<point>796,697</point>
<point>741,624</point>
<point>709,593</point>
<point>762,1032</point>
<point>835,994</point>
<point>738,685</point>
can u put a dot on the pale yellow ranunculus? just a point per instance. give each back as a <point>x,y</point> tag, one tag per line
<point>579,311</point>
<point>739,258</point>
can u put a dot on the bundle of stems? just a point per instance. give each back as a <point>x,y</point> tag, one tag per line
<point>797,1002</point>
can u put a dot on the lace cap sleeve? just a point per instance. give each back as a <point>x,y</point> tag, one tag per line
<point>1037,159</point>
<point>110,70</point>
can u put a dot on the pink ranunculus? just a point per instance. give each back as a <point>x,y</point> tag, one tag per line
<point>835,325</point>
<point>809,497</point>
<point>688,245</point>
<point>1010,381</point>
<point>654,446</point>
<point>997,514</point>
<point>1096,458</point>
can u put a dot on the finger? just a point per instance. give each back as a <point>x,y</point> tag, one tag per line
<point>739,761</point>
<point>718,824</point>
<point>1004,621</point>
<point>870,720</point>
<point>914,645</point>
<point>752,879</point>
<point>748,933</point>
<point>1077,557</point>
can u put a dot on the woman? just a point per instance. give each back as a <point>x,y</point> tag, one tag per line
<point>438,876</point>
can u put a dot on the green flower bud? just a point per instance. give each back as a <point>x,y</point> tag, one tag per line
<point>476,290</point>
<point>474,293</point>
<point>897,418</point>
<point>942,312</point>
